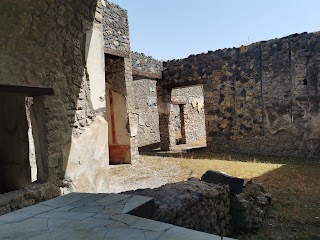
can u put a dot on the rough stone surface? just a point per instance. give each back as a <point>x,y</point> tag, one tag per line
<point>119,79</point>
<point>116,28</point>
<point>198,204</point>
<point>87,159</point>
<point>91,216</point>
<point>249,208</point>
<point>192,110</point>
<point>43,44</point>
<point>259,99</point>
<point>147,110</point>
<point>235,184</point>
<point>262,98</point>
<point>192,204</point>
<point>145,63</point>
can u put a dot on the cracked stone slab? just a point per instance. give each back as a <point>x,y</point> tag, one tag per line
<point>113,198</point>
<point>125,234</point>
<point>63,209</point>
<point>60,224</point>
<point>147,224</point>
<point>24,229</point>
<point>95,222</point>
<point>37,209</point>
<point>179,233</point>
<point>88,209</point>
<point>103,216</point>
<point>113,209</point>
<point>79,233</point>
<point>16,216</point>
<point>126,218</point>
<point>59,201</point>
<point>87,200</point>
<point>65,215</point>
<point>152,235</point>
<point>91,216</point>
<point>135,202</point>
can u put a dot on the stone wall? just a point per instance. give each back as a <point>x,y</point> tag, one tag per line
<point>145,71</point>
<point>147,110</point>
<point>48,44</point>
<point>262,98</point>
<point>116,112</point>
<point>193,111</point>
<point>116,28</point>
<point>117,44</point>
<point>146,64</point>
<point>146,67</point>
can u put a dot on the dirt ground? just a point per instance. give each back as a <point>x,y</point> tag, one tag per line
<point>293,182</point>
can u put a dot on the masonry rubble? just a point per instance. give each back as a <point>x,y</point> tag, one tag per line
<point>218,204</point>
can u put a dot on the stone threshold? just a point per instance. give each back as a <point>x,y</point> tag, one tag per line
<point>92,216</point>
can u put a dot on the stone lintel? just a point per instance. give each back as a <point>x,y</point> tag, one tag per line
<point>25,90</point>
<point>117,53</point>
<point>138,74</point>
<point>167,84</point>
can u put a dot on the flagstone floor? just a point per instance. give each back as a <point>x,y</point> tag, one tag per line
<point>91,216</point>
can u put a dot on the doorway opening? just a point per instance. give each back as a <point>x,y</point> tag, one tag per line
<point>116,110</point>
<point>179,124</point>
<point>20,138</point>
<point>189,117</point>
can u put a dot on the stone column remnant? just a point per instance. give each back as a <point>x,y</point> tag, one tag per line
<point>166,118</point>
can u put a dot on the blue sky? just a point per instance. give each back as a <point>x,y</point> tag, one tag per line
<point>169,29</point>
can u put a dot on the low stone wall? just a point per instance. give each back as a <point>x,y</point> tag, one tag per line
<point>209,205</point>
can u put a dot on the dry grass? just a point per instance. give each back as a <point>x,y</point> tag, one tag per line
<point>293,182</point>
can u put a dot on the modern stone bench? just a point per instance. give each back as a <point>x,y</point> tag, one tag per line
<point>91,216</point>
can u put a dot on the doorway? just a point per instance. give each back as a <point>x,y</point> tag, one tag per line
<point>116,111</point>
<point>20,150</point>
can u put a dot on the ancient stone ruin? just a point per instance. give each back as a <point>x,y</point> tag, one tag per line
<point>74,98</point>
<point>217,204</point>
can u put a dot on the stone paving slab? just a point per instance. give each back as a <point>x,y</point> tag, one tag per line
<point>91,216</point>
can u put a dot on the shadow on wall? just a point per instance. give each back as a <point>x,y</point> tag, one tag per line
<point>43,44</point>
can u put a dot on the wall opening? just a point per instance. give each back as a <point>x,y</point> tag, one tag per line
<point>18,145</point>
<point>189,116</point>
<point>116,111</point>
<point>183,126</point>
<point>31,142</point>
<point>180,131</point>
<point>22,137</point>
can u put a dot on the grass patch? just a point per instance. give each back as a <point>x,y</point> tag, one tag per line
<point>293,182</point>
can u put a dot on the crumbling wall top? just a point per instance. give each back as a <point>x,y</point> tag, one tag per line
<point>146,66</point>
<point>116,29</point>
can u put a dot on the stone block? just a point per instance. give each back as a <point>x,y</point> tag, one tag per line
<point>235,184</point>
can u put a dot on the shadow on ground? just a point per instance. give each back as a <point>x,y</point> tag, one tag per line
<point>294,183</point>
